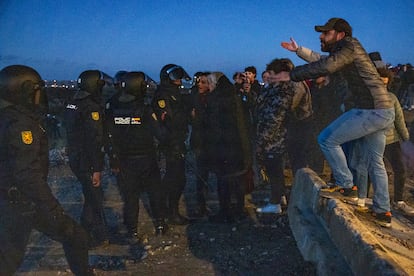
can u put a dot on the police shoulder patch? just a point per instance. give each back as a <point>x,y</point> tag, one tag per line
<point>161,103</point>
<point>95,116</point>
<point>27,137</point>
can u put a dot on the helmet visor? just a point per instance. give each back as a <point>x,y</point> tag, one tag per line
<point>177,73</point>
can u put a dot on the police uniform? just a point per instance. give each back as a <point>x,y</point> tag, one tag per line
<point>170,108</point>
<point>132,126</point>
<point>26,200</point>
<point>84,127</point>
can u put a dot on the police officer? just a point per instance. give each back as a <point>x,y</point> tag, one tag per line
<point>84,127</point>
<point>26,201</point>
<point>132,126</point>
<point>170,106</point>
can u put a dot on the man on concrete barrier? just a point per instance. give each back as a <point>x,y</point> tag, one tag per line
<point>370,114</point>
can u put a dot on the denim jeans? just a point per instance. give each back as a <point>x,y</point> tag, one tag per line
<point>369,126</point>
<point>360,171</point>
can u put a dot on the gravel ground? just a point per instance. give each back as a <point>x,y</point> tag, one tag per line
<point>254,246</point>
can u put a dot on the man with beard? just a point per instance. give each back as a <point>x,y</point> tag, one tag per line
<point>370,114</point>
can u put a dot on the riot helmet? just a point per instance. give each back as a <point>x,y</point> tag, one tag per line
<point>21,85</point>
<point>172,72</point>
<point>135,84</point>
<point>91,81</point>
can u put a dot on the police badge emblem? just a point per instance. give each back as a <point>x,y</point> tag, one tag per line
<point>27,137</point>
<point>161,103</point>
<point>95,116</point>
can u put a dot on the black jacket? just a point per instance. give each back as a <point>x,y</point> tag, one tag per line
<point>226,131</point>
<point>173,110</point>
<point>24,157</point>
<point>84,128</point>
<point>351,61</point>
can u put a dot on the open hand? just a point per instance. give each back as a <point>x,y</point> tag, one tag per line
<point>291,46</point>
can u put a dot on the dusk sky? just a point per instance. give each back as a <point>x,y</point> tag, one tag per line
<point>60,39</point>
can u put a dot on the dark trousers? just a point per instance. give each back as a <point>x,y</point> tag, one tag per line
<point>274,165</point>
<point>229,187</point>
<point>174,181</point>
<point>298,140</point>
<point>140,174</point>
<point>92,217</point>
<point>16,224</point>
<point>202,178</point>
<point>394,156</point>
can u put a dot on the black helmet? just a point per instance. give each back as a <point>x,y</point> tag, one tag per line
<point>21,85</point>
<point>171,72</point>
<point>134,83</point>
<point>91,81</point>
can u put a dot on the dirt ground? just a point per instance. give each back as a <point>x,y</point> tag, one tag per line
<point>259,246</point>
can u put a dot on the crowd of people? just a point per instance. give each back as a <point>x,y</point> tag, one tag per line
<point>345,108</point>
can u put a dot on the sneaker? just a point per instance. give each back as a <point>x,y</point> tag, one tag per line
<point>361,202</point>
<point>383,219</point>
<point>402,206</point>
<point>361,205</point>
<point>270,209</point>
<point>351,193</point>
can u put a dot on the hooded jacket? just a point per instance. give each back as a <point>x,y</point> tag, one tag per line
<point>349,59</point>
<point>227,139</point>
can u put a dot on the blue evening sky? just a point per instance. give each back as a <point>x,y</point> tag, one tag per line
<point>60,39</point>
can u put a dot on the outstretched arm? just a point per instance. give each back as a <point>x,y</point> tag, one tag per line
<point>302,52</point>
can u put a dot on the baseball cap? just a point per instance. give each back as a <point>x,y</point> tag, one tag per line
<point>337,24</point>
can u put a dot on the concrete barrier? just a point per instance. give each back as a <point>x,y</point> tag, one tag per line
<point>330,235</point>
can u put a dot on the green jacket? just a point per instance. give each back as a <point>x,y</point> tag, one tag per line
<point>399,131</point>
